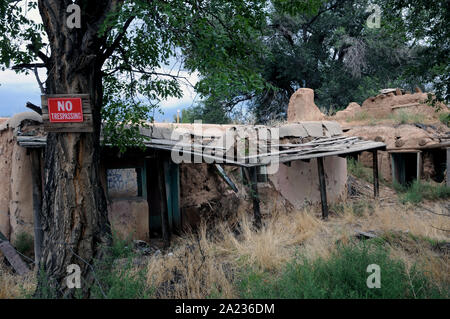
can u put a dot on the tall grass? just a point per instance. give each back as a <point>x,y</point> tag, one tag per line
<point>294,254</point>
<point>407,117</point>
<point>418,191</point>
<point>343,275</point>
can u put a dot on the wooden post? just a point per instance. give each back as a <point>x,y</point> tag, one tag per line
<point>165,230</point>
<point>376,184</point>
<point>323,188</point>
<point>252,177</point>
<point>36,179</point>
<point>419,166</point>
<point>448,167</point>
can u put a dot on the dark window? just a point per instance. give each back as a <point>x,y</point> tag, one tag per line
<point>124,182</point>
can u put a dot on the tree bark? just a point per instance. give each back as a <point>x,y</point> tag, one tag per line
<point>74,210</point>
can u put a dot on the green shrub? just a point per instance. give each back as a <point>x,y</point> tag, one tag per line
<point>117,277</point>
<point>357,169</point>
<point>445,118</point>
<point>343,275</point>
<point>418,191</point>
<point>360,116</point>
<point>24,244</point>
<point>405,117</point>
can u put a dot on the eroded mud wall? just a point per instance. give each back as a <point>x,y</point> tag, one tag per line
<point>6,151</point>
<point>299,183</point>
<point>21,202</point>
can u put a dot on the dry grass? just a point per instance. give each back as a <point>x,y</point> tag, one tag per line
<point>13,286</point>
<point>206,264</point>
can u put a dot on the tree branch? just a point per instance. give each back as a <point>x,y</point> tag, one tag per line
<point>41,55</point>
<point>34,107</point>
<point>119,38</point>
<point>30,66</point>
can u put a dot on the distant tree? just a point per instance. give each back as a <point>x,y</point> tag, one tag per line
<point>328,47</point>
<point>426,26</point>
<point>207,112</point>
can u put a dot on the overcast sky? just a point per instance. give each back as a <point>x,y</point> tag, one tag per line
<point>17,89</point>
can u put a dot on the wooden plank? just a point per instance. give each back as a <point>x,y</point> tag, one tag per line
<point>376,184</point>
<point>163,201</point>
<point>13,258</point>
<point>364,235</point>
<point>404,105</point>
<point>65,129</point>
<point>448,167</point>
<point>252,178</point>
<point>36,180</point>
<point>86,126</point>
<point>225,177</point>
<point>322,187</point>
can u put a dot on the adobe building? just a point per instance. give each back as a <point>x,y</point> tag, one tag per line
<point>417,143</point>
<point>263,169</point>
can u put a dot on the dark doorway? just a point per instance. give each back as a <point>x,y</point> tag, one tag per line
<point>404,167</point>
<point>154,197</point>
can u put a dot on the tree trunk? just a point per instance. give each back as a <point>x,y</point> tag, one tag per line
<point>74,211</point>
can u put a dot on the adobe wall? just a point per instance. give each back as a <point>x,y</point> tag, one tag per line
<point>16,197</point>
<point>6,150</point>
<point>299,183</point>
<point>21,202</point>
<point>129,218</point>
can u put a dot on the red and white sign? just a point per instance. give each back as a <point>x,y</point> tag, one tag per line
<point>65,110</point>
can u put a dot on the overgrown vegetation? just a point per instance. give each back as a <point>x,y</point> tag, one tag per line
<point>445,118</point>
<point>418,191</point>
<point>24,244</point>
<point>357,169</point>
<point>294,255</point>
<point>406,117</point>
<point>343,275</point>
<point>117,275</point>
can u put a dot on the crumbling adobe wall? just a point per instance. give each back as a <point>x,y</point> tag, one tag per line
<point>21,203</point>
<point>129,218</point>
<point>299,183</point>
<point>206,197</point>
<point>6,151</point>
<point>386,105</point>
<point>16,197</point>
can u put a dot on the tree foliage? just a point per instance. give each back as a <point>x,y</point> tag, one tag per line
<point>329,47</point>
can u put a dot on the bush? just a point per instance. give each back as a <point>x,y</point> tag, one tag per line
<point>418,191</point>
<point>445,118</point>
<point>405,117</point>
<point>24,244</point>
<point>118,277</point>
<point>343,275</point>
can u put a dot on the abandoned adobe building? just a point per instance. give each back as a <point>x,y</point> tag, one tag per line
<point>415,151</point>
<point>309,155</point>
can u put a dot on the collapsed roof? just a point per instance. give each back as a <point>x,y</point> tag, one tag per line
<point>245,145</point>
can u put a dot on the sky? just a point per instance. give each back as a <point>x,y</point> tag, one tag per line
<point>18,89</point>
